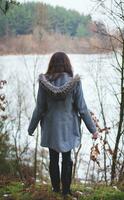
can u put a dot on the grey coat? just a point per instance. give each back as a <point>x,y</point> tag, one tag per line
<point>59,109</point>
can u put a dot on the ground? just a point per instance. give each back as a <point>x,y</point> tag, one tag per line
<point>18,191</point>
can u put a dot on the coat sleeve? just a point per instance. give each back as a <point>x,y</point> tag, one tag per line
<point>38,111</point>
<point>82,108</point>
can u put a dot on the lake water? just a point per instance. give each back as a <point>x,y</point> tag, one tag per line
<point>21,71</point>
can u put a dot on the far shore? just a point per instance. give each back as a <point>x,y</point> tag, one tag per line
<point>30,45</point>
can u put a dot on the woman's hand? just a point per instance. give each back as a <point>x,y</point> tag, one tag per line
<point>95,135</point>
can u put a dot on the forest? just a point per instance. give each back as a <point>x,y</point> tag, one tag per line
<point>24,18</point>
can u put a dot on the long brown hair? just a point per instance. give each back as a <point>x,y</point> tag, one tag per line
<point>59,63</point>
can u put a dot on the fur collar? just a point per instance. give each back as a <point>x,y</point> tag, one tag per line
<point>58,91</point>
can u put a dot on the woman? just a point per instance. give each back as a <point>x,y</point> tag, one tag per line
<point>60,107</point>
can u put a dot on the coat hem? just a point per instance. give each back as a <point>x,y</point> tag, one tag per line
<point>60,151</point>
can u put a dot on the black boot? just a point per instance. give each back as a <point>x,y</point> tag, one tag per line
<point>66,176</point>
<point>54,176</point>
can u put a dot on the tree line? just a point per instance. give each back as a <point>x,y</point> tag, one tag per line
<point>24,18</point>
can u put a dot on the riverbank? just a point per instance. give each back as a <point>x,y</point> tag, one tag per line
<point>31,44</point>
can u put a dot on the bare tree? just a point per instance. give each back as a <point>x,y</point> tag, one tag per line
<point>33,80</point>
<point>41,22</point>
<point>76,157</point>
<point>17,118</point>
<point>115,13</point>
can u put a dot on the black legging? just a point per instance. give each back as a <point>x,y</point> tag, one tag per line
<point>66,171</point>
<point>54,156</point>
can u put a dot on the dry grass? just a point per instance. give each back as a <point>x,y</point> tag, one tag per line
<point>31,44</point>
